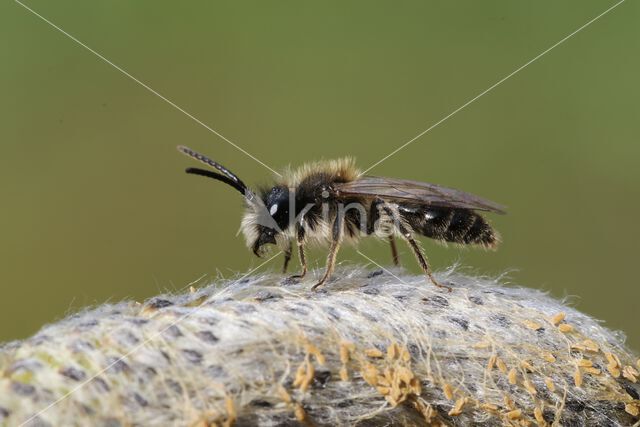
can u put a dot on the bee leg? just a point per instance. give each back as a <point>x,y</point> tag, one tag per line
<point>421,257</point>
<point>303,259</point>
<point>394,250</point>
<point>336,239</point>
<point>287,258</point>
<point>303,262</point>
<point>417,251</point>
<point>374,216</point>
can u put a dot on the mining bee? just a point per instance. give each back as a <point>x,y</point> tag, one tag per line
<point>330,202</point>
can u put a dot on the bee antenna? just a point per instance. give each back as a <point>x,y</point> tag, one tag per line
<point>207,161</point>
<point>216,176</point>
<point>227,176</point>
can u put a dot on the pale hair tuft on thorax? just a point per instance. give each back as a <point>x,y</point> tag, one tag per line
<point>341,170</point>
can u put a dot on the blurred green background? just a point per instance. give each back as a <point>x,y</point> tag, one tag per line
<point>96,207</point>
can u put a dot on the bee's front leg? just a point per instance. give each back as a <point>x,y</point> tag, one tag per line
<point>287,257</point>
<point>336,240</point>
<point>301,255</point>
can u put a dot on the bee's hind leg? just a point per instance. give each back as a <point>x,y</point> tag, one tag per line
<point>415,247</point>
<point>421,257</point>
<point>336,240</point>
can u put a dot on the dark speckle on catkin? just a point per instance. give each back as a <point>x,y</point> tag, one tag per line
<point>208,337</point>
<point>73,373</point>
<point>21,389</point>
<point>375,273</point>
<point>460,322</point>
<point>436,301</point>
<point>159,303</point>
<point>117,365</point>
<point>192,356</point>
<point>476,300</point>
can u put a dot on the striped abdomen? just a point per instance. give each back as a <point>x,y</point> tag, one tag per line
<point>462,226</point>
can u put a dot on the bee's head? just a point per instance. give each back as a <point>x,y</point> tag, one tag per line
<point>266,219</point>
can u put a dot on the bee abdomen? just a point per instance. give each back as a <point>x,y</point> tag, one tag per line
<point>462,226</point>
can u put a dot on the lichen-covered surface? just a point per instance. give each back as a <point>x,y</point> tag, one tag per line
<point>368,349</point>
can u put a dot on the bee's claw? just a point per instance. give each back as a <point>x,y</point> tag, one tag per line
<point>439,285</point>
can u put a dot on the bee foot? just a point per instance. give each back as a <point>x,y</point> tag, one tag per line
<point>439,285</point>
<point>317,285</point>
<point>292,280</point>
<point>289,281</point>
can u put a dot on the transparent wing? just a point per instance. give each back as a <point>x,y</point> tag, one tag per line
<point>423,193</point>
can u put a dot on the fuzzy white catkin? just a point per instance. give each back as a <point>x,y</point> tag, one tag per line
<point>369,349</point>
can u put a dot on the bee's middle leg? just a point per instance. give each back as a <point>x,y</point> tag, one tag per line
<point>394,250</point>
<point>374,216</point>
<point>336,240</point>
